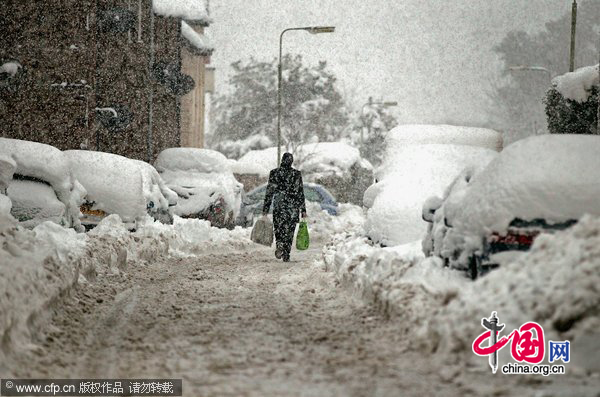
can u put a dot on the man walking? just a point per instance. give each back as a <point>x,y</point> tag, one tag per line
<point>285,189</point>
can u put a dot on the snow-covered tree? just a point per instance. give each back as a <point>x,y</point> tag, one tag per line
<point>313,109</point>
<point>374,121</point>
<point>517,102</point>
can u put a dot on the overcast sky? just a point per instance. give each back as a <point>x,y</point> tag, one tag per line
<point>434,57</point>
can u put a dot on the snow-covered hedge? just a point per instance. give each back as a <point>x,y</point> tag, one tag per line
<point>572,102</point>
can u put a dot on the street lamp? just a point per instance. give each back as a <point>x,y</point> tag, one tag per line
<point>385,104</point>
<point>311,30</point>
<point>533,69</point>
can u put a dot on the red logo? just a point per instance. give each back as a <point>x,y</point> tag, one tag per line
<point>527,342</point>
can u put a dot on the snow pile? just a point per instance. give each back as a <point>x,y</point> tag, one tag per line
<point>197,40</point>
<point>191,10</point>
<point>550,177</point>
<point>316,159</point>
<point>236,149</point>
<point>407,178</point>
<point>259,162</point>
<point>555,284</point>
<point>577,85</point>
<point>39,266</point>
<point>114,183</point>
<point>328,158</point>
<point>397,279</point>
<point>48,164</point>
<point>323,226</point>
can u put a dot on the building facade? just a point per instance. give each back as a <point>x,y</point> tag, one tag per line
<point>109,75</point>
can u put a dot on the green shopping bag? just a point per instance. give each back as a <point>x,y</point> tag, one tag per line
<point>302,239</point>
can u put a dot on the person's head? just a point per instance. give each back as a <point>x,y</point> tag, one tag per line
<point>286,160</point>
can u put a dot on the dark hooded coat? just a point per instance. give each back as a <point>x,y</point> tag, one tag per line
<point>286,191</point>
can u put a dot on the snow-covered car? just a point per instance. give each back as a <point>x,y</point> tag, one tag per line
<point>42,187</point>
<point>204,184</point>
<point>119,185</point>
<point>537,185</point>
<point>337,166</point>
<point>408,177</point>
<point>252,203</point>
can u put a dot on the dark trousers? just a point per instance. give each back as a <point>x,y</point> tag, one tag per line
<point>284,223</point>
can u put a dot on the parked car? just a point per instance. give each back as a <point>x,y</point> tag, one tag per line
<point>204,184</point>
<point>119,185</point>
<point>408,176</point>
<point>537,185</point>
<point>42,187</point>
<point>253,201</point>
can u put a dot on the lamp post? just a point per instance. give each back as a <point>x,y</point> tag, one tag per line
<point>371,103</point>
<point>573,31</point>
<point>311,30</point>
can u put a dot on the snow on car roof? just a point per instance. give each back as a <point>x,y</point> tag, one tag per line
<point>48,164</point>
<point>552,177</point>
<point>192,159</point>
<point>114,183</point>
<point>418,134</point>
<point>577,85</point>
<point>417,172</point>
<point>39,161</point>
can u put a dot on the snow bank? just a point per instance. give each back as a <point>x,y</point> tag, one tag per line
<point>48,164</point>
<point>197,40</point>
<point>191,10</point>
<point>577,85</point>
<point>555,284</point>
<point>551,177</point>
<point>38,267</point>
<point>407,178</point>
<point>323,226</point>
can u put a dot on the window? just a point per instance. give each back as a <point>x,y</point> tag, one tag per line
<point>312,194</point>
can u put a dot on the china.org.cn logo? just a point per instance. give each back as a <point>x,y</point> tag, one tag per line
<point>527,348</point>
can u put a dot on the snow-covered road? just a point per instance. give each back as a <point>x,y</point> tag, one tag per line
<point>244,324</point>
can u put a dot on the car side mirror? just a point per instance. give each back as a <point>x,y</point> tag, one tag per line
<point>431,205</point>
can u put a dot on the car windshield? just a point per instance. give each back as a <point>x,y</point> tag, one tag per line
<point>312,194</point>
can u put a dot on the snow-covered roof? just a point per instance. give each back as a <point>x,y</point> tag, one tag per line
<point>552,177</point>
<point>331,158</point>
<point>577,85</point>
<point>192,159</point>
<point>418,172</point>
<point>190,10</point>
<point>200,42</point>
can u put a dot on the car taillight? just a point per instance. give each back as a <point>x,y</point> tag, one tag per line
<point>514,238</point>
